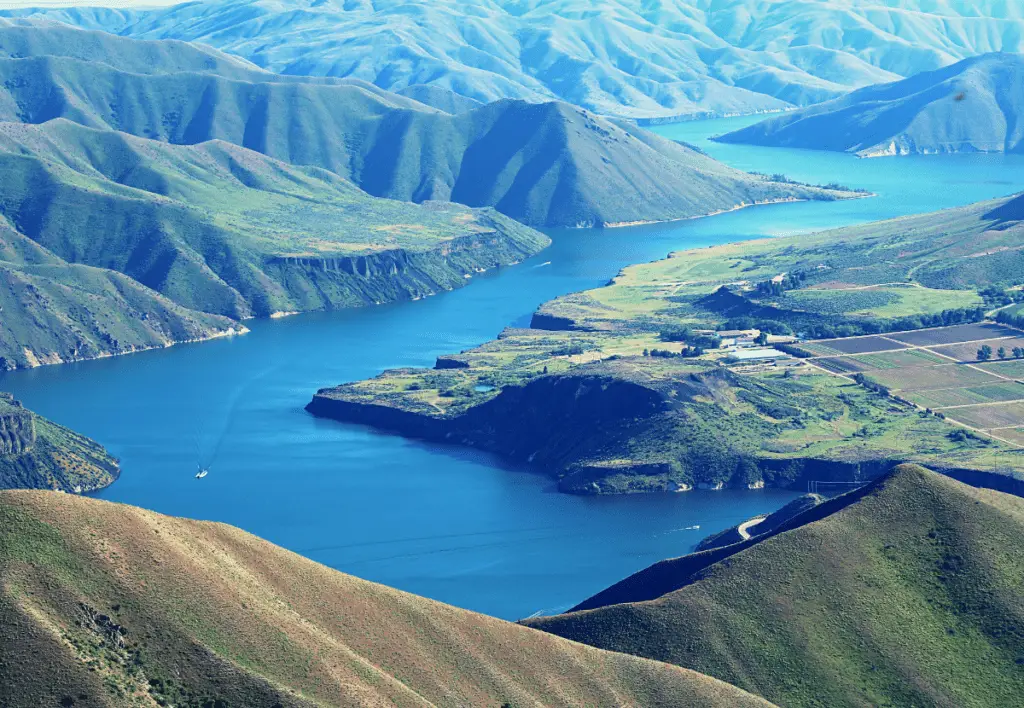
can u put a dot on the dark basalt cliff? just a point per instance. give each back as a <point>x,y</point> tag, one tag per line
<point>17,428</point>
<point>325,283</point>
<point>600,432</point>
<point>550,423</point>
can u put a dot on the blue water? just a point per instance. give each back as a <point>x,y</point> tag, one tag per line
<point>451,524</point>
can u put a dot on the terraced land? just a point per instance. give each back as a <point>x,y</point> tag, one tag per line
<point>939,369</point>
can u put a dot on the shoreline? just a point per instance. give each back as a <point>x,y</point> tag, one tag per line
<point>719,212</point>
<point>442,429</point>
<point>56,360</point>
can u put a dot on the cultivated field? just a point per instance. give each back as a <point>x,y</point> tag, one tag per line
<point>939,369</point>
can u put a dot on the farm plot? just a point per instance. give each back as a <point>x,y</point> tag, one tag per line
<point>1013,369</point>
<point>968,351</point>
<point>860,345</point>
<point>819,349</point>
<point>840,365</point>
<point>1014,435</point>
<point>923,378</point>
<point>954,334</point>
<point>987,417</point>
<point>942,398</point>
<point>899,359</point>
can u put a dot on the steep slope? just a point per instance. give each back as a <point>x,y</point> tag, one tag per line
<point>760,525</point>
<point>906,592</point>
<point>542,164</point>
<point>633,58</point>
<point>213,228</point>
<point>109,605</point>
<point>38,454</point>
<point>976,105</point>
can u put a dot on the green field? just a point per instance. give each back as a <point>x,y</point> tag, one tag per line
<point>923,378</point>
<point>968,395</point>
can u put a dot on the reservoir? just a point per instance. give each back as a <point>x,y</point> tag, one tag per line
<point>448,523</point>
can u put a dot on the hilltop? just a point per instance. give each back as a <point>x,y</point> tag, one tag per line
<point>36,453</point>
<point>905,592</point>
<point>542,164</point>
<point>109,605</point>
<point>207,235</point>
<point>863,348</point>
<point>629,58</point>
<point>976,105</point>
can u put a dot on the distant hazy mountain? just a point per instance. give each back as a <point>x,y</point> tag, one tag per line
<point>976,105</point>
<point>632,58</point>
<point>440,98</point>
<point>543,164</point>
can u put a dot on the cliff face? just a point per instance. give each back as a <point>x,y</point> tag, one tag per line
<point>38,454</point>
<point>17,428</point>
<point>550,422</point>
<point>302,283</point>
<point>602,429</point>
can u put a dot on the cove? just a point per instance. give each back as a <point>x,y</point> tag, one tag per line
<point>451,524</point>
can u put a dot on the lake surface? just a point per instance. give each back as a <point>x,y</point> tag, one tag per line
<point>450,524</point>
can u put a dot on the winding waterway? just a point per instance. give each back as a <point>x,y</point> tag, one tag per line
<point>450,524</point>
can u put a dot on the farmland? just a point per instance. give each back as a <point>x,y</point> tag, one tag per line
<point>938,369</point>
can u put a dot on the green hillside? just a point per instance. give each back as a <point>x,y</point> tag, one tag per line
<point>542,164</point>
<point>636,387</point>
<point>38,454</point>
<point>904,593</point>
<point>210,228</point>
<point>110,605</point>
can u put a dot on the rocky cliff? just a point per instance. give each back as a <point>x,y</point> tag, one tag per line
<point>17,428</point>
<point>38,454</point>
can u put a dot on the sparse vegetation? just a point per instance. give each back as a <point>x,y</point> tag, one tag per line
<point>109,605</point>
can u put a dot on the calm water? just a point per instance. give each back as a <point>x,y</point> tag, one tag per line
<point>450,524</point>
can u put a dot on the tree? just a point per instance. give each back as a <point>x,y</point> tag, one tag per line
<point>1002,352</point>
<point>1018,352</point>
<point>762,339</point>
<point>985,353</point>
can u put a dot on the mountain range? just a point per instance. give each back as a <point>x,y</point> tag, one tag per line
<point>547,164</point>
<point>104,604</point>
<point>630,58</point>
<point>183,241</point>
<point>904,592</point>
<point>976,105</point>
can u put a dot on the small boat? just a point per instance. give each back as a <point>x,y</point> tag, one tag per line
<point>202,473</point>
<point>695,527</point>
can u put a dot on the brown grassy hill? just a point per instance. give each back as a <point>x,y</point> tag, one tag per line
<point>109,605</point>
<point>907,594</point>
